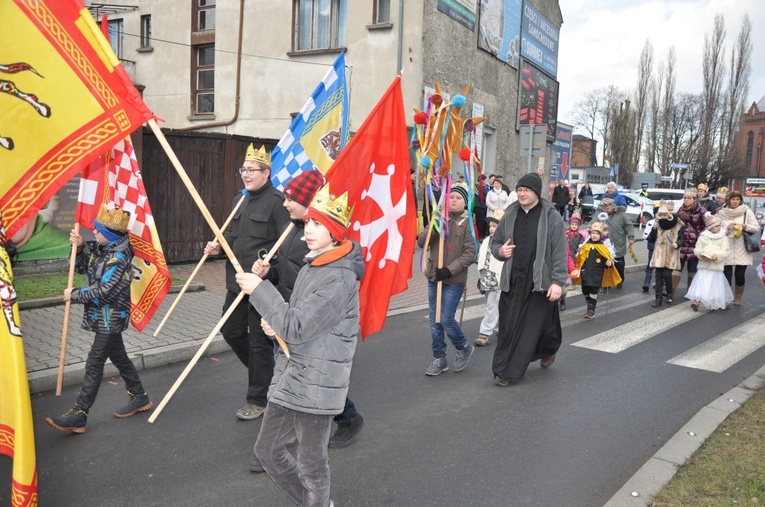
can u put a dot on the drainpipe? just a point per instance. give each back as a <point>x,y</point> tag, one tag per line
<point>400,35</point>
<point>225,123</point>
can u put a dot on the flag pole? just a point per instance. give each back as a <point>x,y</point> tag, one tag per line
<point>196,270</point>
<point>67,308</point>
<point>216,330</point>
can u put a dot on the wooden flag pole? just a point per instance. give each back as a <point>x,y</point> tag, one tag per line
<point>67,307</point>
<point>439,285</point>
<point>196,270</point>
<point>216,330</point>
<point>464,298</point>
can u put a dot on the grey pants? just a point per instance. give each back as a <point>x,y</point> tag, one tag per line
<point>305,479</point>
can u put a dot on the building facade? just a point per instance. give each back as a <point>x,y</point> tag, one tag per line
<point>245,68</point>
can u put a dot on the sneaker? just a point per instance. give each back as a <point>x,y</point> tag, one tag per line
<point>250,412</point>
<point>136,403</point>
<point>462,357</point>
<point>255,465</point>
<point>482,340</point>
<point>502,382</point>
<point>345,433</point>
<point>437,367</point>
<point>73,421</point>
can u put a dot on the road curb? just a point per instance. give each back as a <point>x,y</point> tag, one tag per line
<point>46,380</point>
<point>662,466</point>
<point>34,304</point>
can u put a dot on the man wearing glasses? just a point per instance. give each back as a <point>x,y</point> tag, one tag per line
<point>254,230</point>
<point>692,215</point>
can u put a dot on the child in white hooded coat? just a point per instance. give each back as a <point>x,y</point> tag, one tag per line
<point>709,286</point>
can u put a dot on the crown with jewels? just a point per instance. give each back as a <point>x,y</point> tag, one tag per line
<point>336,208</point>
<point>261,155</point>
<point>113,219</point>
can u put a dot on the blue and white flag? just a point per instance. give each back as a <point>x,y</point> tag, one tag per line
<point>318,133</point>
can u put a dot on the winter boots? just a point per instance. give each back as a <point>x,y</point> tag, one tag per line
<point>657,301</point>
<point>647,281</point>
<point>676,275</point>
<point>591,304</point>
<point>74,420</point>
<point>739,295</point>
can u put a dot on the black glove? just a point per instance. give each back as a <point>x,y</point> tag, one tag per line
<point>443,274</point>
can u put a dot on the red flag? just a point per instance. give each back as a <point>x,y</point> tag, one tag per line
<point>115,178</point>
<point>374,170</point>
<point>64,99</point>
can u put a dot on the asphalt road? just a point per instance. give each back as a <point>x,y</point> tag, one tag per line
<point>568,436</point>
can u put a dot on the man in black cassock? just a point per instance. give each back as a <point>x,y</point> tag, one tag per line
<point>531,240</point>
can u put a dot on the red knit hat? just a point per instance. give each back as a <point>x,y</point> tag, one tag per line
<point>303,187</point>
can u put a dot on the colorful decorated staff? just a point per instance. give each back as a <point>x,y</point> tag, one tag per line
<point>440,133</point>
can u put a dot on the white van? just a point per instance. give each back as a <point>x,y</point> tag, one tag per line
<point>671,194</point>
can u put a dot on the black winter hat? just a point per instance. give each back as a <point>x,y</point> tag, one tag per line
<point>532,181</point>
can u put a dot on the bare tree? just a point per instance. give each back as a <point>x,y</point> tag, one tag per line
<point>642,95</point>
<point>713,70</point>
<point>668,112</point>
<point>593,114</point>
<point>654,121</point>
<point>731,164</point>
<point>622,135</point>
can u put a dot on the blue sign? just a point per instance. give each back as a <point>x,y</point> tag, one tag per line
<point>562,149</point>
<point>539,40</point>
<point>612,173</point>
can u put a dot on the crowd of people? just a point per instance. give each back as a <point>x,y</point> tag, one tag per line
<point>307,296</point>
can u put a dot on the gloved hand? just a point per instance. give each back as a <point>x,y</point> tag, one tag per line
<point>443,274</point>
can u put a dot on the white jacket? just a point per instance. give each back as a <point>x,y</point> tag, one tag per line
<point>496,200</point>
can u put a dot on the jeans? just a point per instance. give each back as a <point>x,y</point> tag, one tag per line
<point>306,479</point>
<point>450,300</point>
<point>254,349</point>
<point>112,347</point>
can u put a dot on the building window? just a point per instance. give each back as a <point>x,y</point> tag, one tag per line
<point>116,36</point>
<point>204,78</point>
<point>382,11</point>
<point>146,31</point>
<point>204,15</point>
<point>319,24</point>
<point>749,149</point>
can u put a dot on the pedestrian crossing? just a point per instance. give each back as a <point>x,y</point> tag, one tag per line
<point>715,355</point>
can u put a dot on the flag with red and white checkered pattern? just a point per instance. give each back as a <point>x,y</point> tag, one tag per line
<point>115,180</point>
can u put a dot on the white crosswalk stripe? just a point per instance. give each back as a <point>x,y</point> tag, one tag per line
<point>627,335</point>
<point>722,352</point>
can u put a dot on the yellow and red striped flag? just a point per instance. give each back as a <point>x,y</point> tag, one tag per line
<point>65,99</point>
<point>17,439</point>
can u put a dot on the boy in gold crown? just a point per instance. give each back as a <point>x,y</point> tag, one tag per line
<point>253,232</point>
<point>320,324</point>
<point>108,264</point>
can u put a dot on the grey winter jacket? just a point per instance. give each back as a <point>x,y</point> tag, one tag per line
<point>320,324</point>
<point>550,265</point>
<point>620,230</point>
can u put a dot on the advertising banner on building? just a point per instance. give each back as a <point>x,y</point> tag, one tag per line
<point>499,29</point>
<point>755,187</point>
<point>539,40</point>
<point>461,11</point>
<point>537,99</point>
<point>562,149</point>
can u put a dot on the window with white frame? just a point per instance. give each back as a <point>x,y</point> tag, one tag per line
<point>205,15</point>
<point>116,36</point>
<point>319,24</point>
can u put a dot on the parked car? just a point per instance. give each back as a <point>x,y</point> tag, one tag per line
<point>672,194</point>
<point>637,206</point>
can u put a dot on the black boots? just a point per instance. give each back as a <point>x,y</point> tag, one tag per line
<point>591,303</point>
<point>657,302</point>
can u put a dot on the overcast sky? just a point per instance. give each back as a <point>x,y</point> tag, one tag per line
<point>601,42</point>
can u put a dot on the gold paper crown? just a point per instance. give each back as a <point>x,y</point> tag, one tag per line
<point>336,208</point>
<point>722,190</point>
<point>597,226</point>
<point>113,219</point>
<point>261,155</point>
